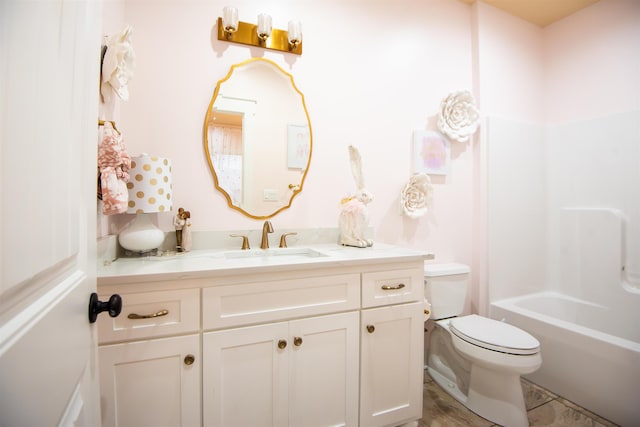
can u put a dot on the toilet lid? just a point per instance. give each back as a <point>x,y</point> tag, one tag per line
<point>494,335</point>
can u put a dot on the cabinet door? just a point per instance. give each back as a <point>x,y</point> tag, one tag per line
<point>245,376</point>
<point>324,371</point>
<point>151,383</point>
<point>391,364</point>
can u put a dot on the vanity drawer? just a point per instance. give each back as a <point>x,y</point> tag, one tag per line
<point>392,287</point>
<point>152,314</point>
<point>272,300</point>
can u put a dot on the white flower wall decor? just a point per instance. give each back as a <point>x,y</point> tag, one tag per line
<point>459,118</point>
<point>416,195</point>
<point>118,65</point>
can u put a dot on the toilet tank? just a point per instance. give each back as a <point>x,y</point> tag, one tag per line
<point>445,286</point>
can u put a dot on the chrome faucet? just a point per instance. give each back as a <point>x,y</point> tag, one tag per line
<point>266,229</point>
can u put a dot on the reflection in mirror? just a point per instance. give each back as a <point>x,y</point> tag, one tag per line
<point>257,138</point>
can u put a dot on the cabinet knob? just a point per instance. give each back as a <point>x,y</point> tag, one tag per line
<point>371,328</point>
<point>282,344</point>
<point>297,341</point>
<point>189,359</point>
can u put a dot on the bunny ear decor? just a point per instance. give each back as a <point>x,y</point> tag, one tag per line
<point>459,118</point>
<point>416,195</point>
<point>356,166</point>
<point>354,214</point>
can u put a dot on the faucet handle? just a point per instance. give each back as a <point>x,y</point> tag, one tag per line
<point>245,240</point>
<point>283,239</point>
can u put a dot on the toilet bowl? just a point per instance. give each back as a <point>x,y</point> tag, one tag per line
<point>477,360</point>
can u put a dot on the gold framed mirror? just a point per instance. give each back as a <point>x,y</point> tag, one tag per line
<point>257,138</point>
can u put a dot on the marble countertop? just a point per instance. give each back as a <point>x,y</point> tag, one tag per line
<point>212,263</point>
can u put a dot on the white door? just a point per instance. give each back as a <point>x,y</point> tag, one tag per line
<point>49,70</point>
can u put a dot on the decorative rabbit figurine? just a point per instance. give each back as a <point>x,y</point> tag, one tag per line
<point>354,214</point>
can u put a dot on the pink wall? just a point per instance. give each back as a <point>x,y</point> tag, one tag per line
<point>508,71</point>
<point>592,62</point>
<point>371,74</point>
<point>510,65</point>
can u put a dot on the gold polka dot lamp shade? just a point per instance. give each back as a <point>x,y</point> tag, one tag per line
<point>149,184</point>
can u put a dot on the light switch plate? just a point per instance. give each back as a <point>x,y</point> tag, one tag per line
<point>270,195</point>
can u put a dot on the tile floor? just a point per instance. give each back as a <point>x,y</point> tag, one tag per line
<point>543,409</point>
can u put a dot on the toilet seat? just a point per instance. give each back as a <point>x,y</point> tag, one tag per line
<point>494,335</point>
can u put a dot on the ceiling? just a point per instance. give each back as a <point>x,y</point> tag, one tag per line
<point>538,12</point>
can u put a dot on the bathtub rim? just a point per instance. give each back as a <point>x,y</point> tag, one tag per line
<point>511,304</point>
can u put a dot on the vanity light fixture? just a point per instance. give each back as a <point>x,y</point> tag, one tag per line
<point>149,189</point>
<point>230,29</point>
<point>295,34</point>
<point>264,26</point>
<point>229,21</point>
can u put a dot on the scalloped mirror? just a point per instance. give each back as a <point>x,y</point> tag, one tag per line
<point>257,138</point>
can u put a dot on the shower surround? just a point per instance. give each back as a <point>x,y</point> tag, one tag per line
<point>564,231</point>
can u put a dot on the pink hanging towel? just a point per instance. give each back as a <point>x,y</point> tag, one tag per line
<point>114,164</point>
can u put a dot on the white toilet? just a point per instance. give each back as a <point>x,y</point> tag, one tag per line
<point>475,359</point>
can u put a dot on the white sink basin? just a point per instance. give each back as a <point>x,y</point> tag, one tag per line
<point>275,252</point>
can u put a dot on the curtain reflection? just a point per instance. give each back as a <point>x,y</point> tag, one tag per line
<point>225,146</point>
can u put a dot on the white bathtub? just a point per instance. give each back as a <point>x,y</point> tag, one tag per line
<point>590,353</point>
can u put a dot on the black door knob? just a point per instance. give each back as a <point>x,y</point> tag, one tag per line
<point>114,306</point>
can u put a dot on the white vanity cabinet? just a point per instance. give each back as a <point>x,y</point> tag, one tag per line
<point>298,373</point>
<point>291,369</point>
<point>145,377</point>
<point>327,345</point>
<point>153,382</point>
<point>391,365</point>
<point>392,347</point>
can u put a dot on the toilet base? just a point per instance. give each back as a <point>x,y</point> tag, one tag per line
<point>497,397</point>
<point>485,383</point>
<point>448,385</point>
